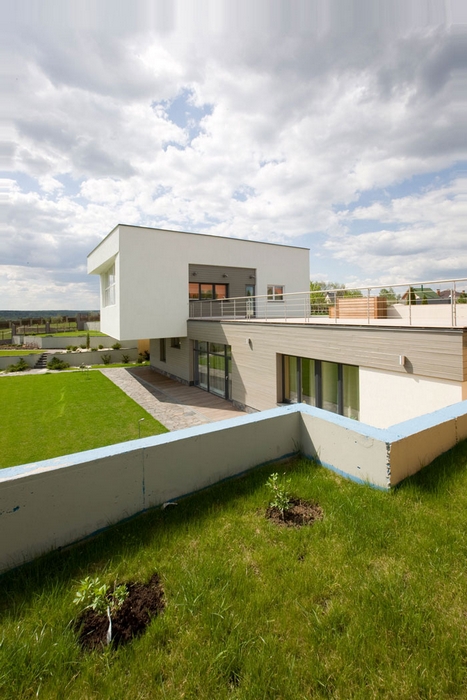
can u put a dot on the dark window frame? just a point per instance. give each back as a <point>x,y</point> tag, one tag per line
<point>318,382</point>
<point>213,286</point>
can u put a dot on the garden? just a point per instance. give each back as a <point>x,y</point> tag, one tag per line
<point>366,599</point>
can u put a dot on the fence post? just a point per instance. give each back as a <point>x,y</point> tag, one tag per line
<point>453,305</point>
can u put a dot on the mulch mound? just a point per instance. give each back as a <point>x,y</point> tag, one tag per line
<point>297,514</point>
<point>144,602</point>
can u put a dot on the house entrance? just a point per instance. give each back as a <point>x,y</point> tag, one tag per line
<point>213,368</point>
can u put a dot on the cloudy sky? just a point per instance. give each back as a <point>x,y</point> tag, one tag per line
<point>339,125</point>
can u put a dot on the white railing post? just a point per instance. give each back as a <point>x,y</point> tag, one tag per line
<point>453,304</point>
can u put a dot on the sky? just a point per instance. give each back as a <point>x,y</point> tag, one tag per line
<point>338,125</point>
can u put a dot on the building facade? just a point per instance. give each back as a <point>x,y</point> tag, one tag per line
<point>217,315</point>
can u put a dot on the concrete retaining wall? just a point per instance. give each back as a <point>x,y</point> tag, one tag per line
<point>61,343</point>
<point>56,502</point>
<point>7,360</point>
<point>74,359</point>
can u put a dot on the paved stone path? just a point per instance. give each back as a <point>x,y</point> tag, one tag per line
<point>175,405</point>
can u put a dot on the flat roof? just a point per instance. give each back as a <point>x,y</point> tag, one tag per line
<point>191,233</point>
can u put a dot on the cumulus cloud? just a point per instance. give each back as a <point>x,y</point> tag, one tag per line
<point>278,121</point>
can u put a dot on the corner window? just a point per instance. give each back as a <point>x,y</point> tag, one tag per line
<point>109,286</point>
<point>275,292</point>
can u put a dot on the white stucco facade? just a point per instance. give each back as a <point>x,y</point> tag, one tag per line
<point>387,398</point>
<point>151,275</point>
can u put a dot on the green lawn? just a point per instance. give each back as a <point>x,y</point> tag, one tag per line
<point>49,415</point>
<point>19,353</point>
<point>370,602</point>
<point>70,334</point>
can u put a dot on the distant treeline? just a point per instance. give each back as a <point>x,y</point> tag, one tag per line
<point>46,314</point>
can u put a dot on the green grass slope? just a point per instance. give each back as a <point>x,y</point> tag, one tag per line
<point>50,415</point>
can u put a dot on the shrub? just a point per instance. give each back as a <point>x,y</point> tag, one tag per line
<point>106,359</point>
<point>140,358</point>
<point>94,594</point>
<point>69,348</point>
<point>83,347</point>
<point>125,359</point>
<point>116,346</point>
<point>74,347</point>
<point>20,366</point>
<point>100,347</point>
<point>56,363</point>
<point>145,355</point>
<point>280,497</point>
<point>88,341</point>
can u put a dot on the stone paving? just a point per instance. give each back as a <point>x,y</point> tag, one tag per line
<point>173,404</point>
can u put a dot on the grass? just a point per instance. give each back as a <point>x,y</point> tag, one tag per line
<point>370,602</point>
<point>49,415</point>
<point>70,334</point>
<point>19,353</point>
<point>111,365</point>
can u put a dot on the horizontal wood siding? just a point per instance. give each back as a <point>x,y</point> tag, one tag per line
<point>437,353</point>
<point>354,307</point>
<point>178,362</point>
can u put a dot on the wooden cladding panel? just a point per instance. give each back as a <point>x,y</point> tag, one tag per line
<point>437,353</point>
<point>359,307</point>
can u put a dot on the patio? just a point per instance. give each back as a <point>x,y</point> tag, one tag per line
<point>175,405</point>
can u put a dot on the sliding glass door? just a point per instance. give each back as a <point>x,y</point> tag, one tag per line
<point>329,385</point>
<point>213,368</point>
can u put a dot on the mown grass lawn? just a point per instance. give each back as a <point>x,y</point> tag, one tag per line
<point>49,415</point>
<point>70,334</point>
<point>370,602</point>
<point>21,353</point>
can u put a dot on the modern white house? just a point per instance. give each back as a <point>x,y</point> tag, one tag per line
<point>234,318</point>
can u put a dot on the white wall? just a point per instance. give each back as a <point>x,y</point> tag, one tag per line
<point>74,359</point>
<point>63,342</point>
<point>388,398</point>
<point>430,314</point>
<point>99,261</point>
<point>54,503</point>
<point>152,275</point>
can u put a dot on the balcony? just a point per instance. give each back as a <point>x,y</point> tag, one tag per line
<point>438,303</point>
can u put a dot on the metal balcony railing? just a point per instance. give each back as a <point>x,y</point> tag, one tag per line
<point>433,303</point>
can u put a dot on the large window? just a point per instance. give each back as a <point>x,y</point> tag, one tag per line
<point>329,385</point>
<point>206,290</point>
<point>109,286</point>
<point>213,368</point>
<point>275,292</point>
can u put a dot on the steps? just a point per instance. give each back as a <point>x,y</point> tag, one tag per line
<point>42,361</point>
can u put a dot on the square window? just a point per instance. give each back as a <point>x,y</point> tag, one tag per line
<point>275,292</point>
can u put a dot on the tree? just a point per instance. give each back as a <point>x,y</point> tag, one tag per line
<point>411,298</point>
<point>390,295</point>
<point>323,295</point>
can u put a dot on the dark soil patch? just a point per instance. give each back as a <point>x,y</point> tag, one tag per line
<point>297,514</point>
<point>144,601</point>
